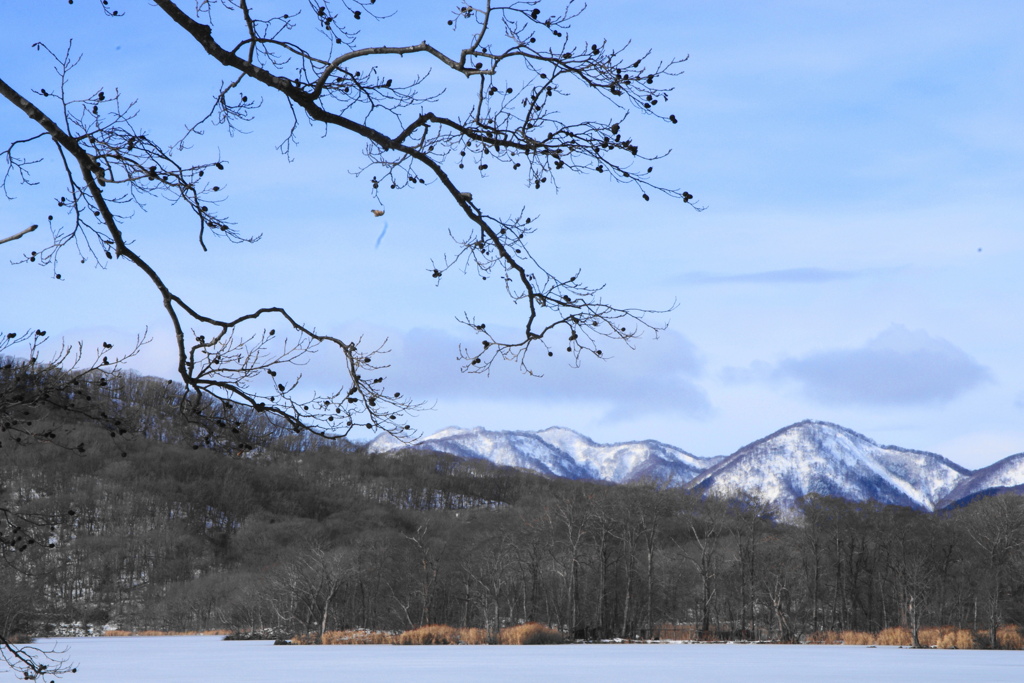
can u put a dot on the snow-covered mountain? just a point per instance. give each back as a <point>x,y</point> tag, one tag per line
<point>1007,473</point>
<point>804,458</point>
<point>564,453</point>
<point>824,458</point>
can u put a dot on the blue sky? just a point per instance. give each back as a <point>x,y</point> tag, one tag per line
<point>859,261</point>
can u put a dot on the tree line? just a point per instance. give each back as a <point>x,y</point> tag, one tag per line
<point>143,517</point>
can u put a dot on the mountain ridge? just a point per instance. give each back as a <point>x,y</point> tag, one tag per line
<point>810,456</point>
<point>829,459</point>
<point>560,451</point>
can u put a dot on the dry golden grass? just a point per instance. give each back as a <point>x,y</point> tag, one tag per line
<point>474,636</point>
<point>857,638</point>
<point>1009,638</point>
<point>432,634</point>
<point>929,636</point>
<point>957,639</point>
<point>150,632</point>
<point>357,637</point>
<point>946,637</point>
<point>437,634</point>
<point>897,635</point>
<point>530,634</point>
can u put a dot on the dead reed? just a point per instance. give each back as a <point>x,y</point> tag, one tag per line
<point>474,636</point>
<point>897,635</point>
<point>945,637</point>
<point>930,636</point>
<point>857,638</point>
<point>153,632</point>
<point>432,634</point>
<point>1009,638</point>
<point>530,634</point>
<point>356,637</point>
<point>957,639</point>
<point>437,634</point>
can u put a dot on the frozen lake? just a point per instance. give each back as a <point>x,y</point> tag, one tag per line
<point>188,659</point>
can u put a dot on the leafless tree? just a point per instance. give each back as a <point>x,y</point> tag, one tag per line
<point>570,520</point>
<point>706,520</point>
<point>520,58</point>
<point>489,570</point>
<point>29,389</point>
<point>995,525</point>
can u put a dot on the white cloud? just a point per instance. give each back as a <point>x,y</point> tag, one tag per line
<point>899,367</point>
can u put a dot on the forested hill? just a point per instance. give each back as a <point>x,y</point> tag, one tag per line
<point>142,502</point>
<point>121,509</point>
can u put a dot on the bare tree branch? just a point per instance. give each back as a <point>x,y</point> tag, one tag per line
<point>227,365</point>
<point>519,62</point>
<point>327,90</point>
<point>18,235</point>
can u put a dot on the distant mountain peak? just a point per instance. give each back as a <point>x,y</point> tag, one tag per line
<point>1007,473</point>
<point>563,452</point>
<point>823,427</point>
<point>810,456</point>
<point>828,459</point>
<point>385,442</point>
<point>453,431</point>
<point>564,433</point>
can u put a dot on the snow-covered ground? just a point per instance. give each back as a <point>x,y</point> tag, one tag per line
<point>188,659</point>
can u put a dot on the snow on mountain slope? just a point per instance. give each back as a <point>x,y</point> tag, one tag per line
<point>807,457</point>
<point>824,458</point>
<point>515,449</point>
<point>630,461</point>
<point>1008,472</point>
<point>564,453</point>
<point>931,474</point>
<point>385,442</point>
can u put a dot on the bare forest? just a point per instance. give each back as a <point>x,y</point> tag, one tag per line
<point>148,522</point>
